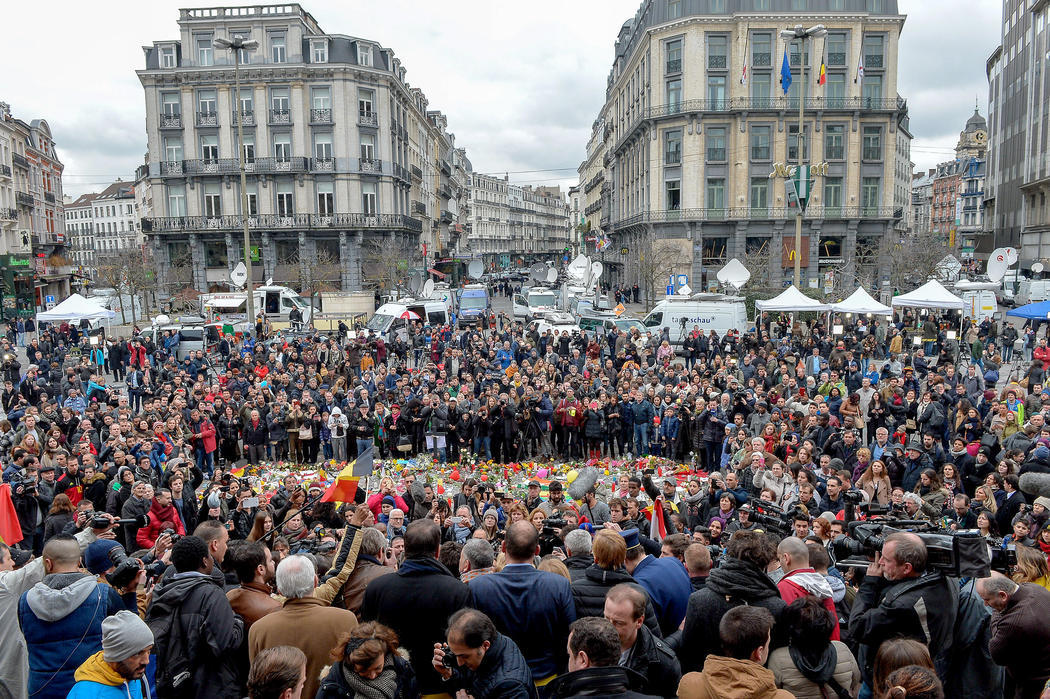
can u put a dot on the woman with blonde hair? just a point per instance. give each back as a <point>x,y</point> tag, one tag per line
<point>516,512</point>
<point>932,492</point>
<point>1031,567</point>
<point>985,496</point>
<point>551,564</point>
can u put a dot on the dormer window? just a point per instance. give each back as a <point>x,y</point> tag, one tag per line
<point>319,51</point>
<point>167,57</point>
<point>364,55</point>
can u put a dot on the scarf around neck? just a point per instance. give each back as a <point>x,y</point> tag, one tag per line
<point>382,687</point>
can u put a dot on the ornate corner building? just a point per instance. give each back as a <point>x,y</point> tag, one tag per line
<point>342,155</point>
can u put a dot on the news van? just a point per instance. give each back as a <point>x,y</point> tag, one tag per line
<point>718,312</point>
<point>474,304</point>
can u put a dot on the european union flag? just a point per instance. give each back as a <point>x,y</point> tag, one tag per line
<point>785,73</point>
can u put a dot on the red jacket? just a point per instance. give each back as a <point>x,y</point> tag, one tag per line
<point>137,356</point>
<point>375,503</point>
<point>806,581</point>
<point>1042,354</point>
<point>206,430</point>
<point>158,516</point>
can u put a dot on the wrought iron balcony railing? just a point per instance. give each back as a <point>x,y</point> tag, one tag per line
<point>320,116</point>
<point>179,224</point>
<point>367,119</point>
<point>171,121</point>
<point>207,119</point>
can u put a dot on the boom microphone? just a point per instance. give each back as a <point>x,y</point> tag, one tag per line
<point>585,480</point>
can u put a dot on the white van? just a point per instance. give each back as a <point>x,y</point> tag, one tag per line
<point>1032,291</point>
<point>535,303</point>
<point>390,319</point>
<point>679,314</point>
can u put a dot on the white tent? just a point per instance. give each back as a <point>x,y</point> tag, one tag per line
<point>76,307</point>
<point>860,301</point>
<point>791,300</point>
<point>929,295</point>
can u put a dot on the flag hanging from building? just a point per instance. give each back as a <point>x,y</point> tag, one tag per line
<point>785,73</point>
<point>743,75</point>
<point>860,71</point>
<point>822,75</point>
<point>743,69</point>
<point>601,241</point>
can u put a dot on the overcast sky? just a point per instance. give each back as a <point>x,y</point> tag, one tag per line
<point>520,83</point>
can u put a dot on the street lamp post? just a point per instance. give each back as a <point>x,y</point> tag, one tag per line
<point>798,32</point>
<point>238,44</point>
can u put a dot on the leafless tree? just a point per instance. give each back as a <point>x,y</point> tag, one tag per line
<point>913,258</point>
<point>384,264</point>
<point>658,259</point>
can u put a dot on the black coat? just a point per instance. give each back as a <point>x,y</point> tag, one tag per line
<point>503,672</point>
<point>575,564</point>
<point>730,585</point>
<point>654,660</point>
<point>610,682</point>
<point>588,592</point>
<point>416,603</point>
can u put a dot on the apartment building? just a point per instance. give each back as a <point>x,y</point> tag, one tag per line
<point>513,225</point>
<point>342,154</point>
<point>699,136</point>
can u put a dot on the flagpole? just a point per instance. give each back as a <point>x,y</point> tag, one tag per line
<point>799,142</point>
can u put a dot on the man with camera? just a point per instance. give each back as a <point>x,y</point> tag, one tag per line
<point>900,597</point>
<point>478,658</point>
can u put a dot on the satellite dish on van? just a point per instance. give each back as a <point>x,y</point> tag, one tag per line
<point>1037,267</point>
<point>684,290</point>
<point>538,273</point>
<point>999,261</point>
<point>269,281</point>
<point>162,320</point>
<point>428,288</point>
<point>552,275</point>
<point>239,275</point>
<point>475,269</point>
<point>414,282</point>
<point>596,272</point>
<point>733,275</point>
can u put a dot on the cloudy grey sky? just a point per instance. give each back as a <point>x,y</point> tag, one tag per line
<point>520,83</point>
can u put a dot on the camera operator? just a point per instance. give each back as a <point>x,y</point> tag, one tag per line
<point>899,597</point>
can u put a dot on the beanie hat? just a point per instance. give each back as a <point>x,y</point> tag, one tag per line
<point>1044,501</point>
<point>123,635</point>
<point>96,556</point>
<point>388,500</point>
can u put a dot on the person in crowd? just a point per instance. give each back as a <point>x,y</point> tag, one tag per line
<point>900,597</point>
<point>277,673</point>
<point>801,580</point>
<point>1020,640</point>
<point>812,665</point>
<point>486,663</point>
<point>640,650</point>
<point>607,571</point>
<point>118,670</point>
<point>664,579</point>
<point>745,634</point>
<point>594,664</point>
<point>367,663</point>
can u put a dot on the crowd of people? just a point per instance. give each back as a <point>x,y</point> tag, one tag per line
<point>150,550</point>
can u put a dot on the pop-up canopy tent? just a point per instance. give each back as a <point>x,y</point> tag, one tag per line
<point>791,300</point>
<point>1035,311</point>
<point>929,295</point>
<point>76,307</point>
<point>860,301</point>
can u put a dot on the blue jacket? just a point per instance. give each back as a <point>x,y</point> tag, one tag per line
<point>643,412</point>
<point>61,619</point>
<point>532,607</point>
<point>668,586</point>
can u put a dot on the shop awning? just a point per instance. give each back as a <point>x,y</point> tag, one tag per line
<point>439,275</point>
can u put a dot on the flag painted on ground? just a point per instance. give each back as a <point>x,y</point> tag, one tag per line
<point>344,487</point>
<point>10,529</point>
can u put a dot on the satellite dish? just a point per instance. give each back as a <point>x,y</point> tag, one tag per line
<point>428,288</point>
<point>415,282</point>
<point>269,281</point>
<point>579,268</point>
<point>239,275</point>
<point>685,290</point>
<point>162,320</point>
<point>1037,267</point>
<point>734,274</point>
<point>1011,255</point>
<point>475,269</point>
<point>996,268</point>
<point>552,275</point>
<point>538,273</point>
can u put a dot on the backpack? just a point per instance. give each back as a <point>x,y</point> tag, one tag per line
<point>991,377</point>
<point>174,668</point>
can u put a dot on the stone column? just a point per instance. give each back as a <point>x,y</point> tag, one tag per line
<point>197,256</point>
<point>269,255</point>
<point>344,261</point>
<point>233,252</point>
<point>354,261</point>
<point>305,258</point>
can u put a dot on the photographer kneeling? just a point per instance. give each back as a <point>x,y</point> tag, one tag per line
<point>900,598</point>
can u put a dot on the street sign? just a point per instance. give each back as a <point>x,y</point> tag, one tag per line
<point>683,279</point>
<point>49,299</point>
<point>254,249</point>
<point>624,251</point>
<point>670,290</point>
<point>619,309</point>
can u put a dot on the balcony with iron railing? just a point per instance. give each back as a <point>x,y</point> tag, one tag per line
<point>370,165</point>
<point>20,160</point>
<point>325,164</point>
<point>171,121</point>
<point>446,216</point>
<point>873,61</point>
<point>761,59</point>
<point>320,116</point>
<point>836,58</point>
<point>674,65</point>
<point>49,197</point>
<point>9,214</point>
<point>744,213</point>
<point>367,119</point>
<point>419,207</point>
<point>24,198</point>
<point>247,118</point>
<point>717,61</point>
<point>5,170</point>
<point>180,224</point>
<point>417,174</point>
<point>280,116</point>
<point>207,119</point>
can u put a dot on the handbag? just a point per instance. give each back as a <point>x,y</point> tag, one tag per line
<point>306,432</point>
<point>404,443</point>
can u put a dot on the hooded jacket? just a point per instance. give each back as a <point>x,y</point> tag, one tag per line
<point>733,583</point>
<point>806,581</point>
<point>194,625</point>
<point>842,667</point>
<point>95,679</point>
<point>728,678</point>
<point>61,619</point>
